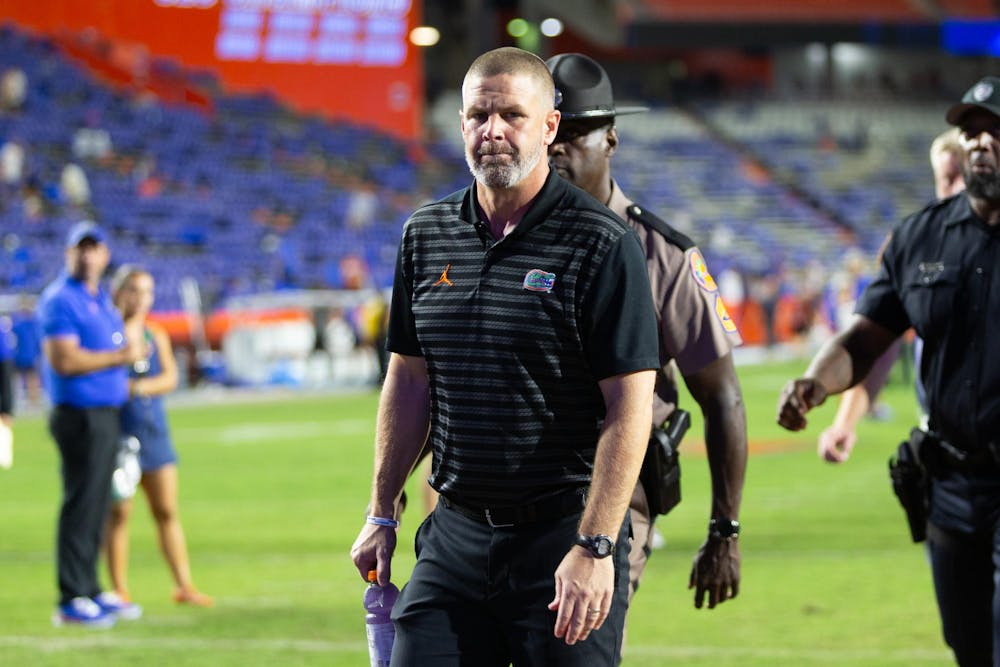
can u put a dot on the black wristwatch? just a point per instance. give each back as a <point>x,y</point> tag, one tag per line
<point>601,546</point>
<point>724,529</point>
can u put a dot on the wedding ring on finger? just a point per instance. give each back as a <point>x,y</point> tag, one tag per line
<point>594,612</point>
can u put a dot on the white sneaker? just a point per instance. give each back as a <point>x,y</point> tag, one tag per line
<point>112,603</point>
<point>83,612</point>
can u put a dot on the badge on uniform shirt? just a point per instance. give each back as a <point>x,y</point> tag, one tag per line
<point>723,315</point>
<point>929,272</point>
<point>537,280</point>
<point>700,271</point>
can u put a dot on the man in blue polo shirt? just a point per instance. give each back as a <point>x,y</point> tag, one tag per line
<point>85,357</point>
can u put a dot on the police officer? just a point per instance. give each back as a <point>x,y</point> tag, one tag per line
<point>694,328</point>
<point>837,441</point>
<point>939,274</point>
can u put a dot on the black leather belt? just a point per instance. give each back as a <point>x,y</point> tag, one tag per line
<point>966,460</point>
<point>554,507</point>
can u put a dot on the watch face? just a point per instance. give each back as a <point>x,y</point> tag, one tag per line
<point>603,546</point>
<point>600,546</point>
<point>725,528</point>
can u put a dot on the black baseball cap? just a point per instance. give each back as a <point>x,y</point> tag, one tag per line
<point>984,95</point>
<point>583,89</point>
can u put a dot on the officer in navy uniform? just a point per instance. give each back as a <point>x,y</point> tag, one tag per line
<point>694,329</point>
<point>939,273</point>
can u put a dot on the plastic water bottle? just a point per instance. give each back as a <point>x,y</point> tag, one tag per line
<point>127,474</point>
<point>378,604</point>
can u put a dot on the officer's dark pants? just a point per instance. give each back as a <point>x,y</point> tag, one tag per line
<point>964,545</point>
<point>88,442</point>
<point>478,597</point>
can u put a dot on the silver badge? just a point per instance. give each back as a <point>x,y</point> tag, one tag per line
<point>117,338</point>
<point>982,91</point>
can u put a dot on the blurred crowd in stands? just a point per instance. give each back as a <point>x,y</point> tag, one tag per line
<point>239,195</point>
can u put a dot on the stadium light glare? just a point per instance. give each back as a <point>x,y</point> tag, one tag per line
<point>816,54</point>
<point>517,27</point>
<point>850,55</point>
<point>551,27</point>
<point>424,35</point>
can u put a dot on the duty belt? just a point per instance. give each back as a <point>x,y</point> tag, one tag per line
<point>554,507</point>
<point>965,459</point>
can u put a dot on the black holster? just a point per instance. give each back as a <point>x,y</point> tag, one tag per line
<point>660,475</point>
<point>911,481</point>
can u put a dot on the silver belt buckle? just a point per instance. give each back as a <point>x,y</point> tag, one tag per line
<point>489,520</point>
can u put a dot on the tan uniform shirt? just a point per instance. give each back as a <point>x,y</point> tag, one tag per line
<point>694,327</point>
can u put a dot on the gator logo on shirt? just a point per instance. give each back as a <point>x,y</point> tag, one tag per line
<point>723,315</point>
<point>537,280</point>
<point>700,272</point>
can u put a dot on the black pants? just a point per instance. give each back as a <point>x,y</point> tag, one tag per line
<point>965,569</point>
<point>478,597</point>
<point>963,541</point>
<point>88,443</point>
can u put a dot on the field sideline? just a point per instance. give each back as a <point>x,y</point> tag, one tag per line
<point>272,496</point>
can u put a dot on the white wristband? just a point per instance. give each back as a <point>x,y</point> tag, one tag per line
<point>380,521</point>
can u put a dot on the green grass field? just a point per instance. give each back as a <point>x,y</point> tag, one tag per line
<point>273,493</point>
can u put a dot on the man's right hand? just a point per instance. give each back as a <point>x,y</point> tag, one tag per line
<point>797,398</point>
<point>836,443</point>
<point>373,551</point>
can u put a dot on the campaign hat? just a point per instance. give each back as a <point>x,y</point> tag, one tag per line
<point>583,89</point>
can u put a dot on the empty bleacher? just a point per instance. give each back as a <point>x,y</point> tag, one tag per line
<point>247,196</point>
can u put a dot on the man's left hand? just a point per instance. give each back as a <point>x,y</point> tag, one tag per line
<point>716,572</point>
<point>584,591</point>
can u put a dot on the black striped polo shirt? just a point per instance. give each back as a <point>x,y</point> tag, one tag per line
<point>516,334</point>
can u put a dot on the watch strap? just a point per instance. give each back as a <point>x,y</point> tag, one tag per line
<point>600,546</point>
<point>724,529</point>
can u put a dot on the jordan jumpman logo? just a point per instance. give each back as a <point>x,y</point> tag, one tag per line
<point>443,280</point>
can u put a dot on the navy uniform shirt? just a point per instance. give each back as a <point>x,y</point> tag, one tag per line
<point>67,309</point>
<point>940,273</point>
<point>516,334</point>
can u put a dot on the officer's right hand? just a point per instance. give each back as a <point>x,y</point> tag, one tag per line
<point>836,443</point>
<point>797,398</point>
<point>373,551</point>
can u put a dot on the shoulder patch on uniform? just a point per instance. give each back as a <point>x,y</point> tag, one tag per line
<point>723,315</point>
<point>700,271</point>
<point>662,228</point>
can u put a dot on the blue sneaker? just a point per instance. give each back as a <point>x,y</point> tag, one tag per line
<point>84,612</point>
<point>114,604</point>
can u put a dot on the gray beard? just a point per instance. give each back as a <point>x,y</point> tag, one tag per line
<point>982,187</point>
<point>501,176</point>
